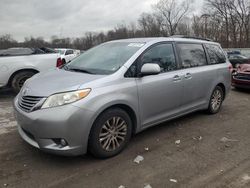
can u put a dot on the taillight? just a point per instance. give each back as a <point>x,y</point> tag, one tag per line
<point>59,62</point>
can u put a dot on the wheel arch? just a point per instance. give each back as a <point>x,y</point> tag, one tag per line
<point>21,70</point>
<point>128,109</point>
<point>223,87</point>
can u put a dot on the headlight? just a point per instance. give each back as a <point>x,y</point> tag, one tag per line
<point>65,98</point>
<point>235,73</point>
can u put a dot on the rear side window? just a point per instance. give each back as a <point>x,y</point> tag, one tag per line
<point>192,55</point>
<point>215,53</point>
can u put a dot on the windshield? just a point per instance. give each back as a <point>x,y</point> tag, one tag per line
<point>60,51</point>
<point>104,59</point>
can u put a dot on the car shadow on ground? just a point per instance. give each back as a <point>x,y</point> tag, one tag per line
<point>241,90</point>
<point>6,93</point>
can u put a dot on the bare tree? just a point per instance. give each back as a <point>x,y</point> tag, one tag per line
<point>149,24</point>
<point>235,21</point>
<point>6,41</point>
<point>171,12</point>
<point>241,14</point>
<point>224,21</point>
<point>221,8</point>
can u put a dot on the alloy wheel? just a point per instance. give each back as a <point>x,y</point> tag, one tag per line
<point>113,133</point>
<point>216,100</point>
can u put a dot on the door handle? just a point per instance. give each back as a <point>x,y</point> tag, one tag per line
<point>177,78</point>
<point>188,76</point>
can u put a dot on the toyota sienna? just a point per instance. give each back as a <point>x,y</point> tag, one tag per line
<point>100,99</point>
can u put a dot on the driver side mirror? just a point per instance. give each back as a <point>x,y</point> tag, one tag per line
<point>150,69</point>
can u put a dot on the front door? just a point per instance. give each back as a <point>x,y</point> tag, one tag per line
<point>159,95</point>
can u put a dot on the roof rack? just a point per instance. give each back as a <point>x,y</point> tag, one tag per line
<point>190,37</point>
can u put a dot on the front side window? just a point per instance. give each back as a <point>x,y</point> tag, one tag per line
<point>163,55</point>
<point>104,59</point>
<point>192,55</point>
<point>215,53</point>
<point>69,52</point>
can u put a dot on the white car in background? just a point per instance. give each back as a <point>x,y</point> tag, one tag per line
<point>67,54</point>
<point>19,64</point>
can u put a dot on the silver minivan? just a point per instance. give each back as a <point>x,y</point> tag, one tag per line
<point>99,100</point>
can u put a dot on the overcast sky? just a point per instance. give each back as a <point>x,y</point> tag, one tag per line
<point>68,18</point>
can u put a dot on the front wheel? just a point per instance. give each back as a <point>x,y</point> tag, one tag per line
<point>19,79</point>
<point>216,100</point>
<point>110,133</point>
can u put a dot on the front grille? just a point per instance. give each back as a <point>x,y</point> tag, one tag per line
<point>241,76</point>
<point>27,103</point>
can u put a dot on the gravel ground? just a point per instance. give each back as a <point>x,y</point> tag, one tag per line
<point>197,150</point>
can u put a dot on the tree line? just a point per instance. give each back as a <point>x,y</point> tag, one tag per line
<point>224,21</point>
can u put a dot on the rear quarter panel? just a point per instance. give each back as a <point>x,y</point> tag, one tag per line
<point>223,76</point>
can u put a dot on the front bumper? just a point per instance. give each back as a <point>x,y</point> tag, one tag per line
<point>42,127</point>
<point>241,83</point>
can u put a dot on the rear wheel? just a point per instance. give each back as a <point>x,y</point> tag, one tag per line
<point>110,134</point>
<point>64,61</point>
<point>19,79</point>
<point>216,100</point>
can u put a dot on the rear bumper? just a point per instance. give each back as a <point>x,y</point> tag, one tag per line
<point>42,127</point>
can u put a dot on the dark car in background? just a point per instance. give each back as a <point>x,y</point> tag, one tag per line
<point>26,51</point>
<point>238,59</point>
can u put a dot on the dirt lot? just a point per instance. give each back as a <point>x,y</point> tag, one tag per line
<point>202,159</point>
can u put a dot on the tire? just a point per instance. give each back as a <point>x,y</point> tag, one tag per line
<point>104,134</point>
<point>64,61</point>
<point>19,79</point>
<point>216,100</point>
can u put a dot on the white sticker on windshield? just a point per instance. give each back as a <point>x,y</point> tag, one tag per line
<point>139,45</point>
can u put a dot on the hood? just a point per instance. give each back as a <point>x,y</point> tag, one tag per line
<point>244,68</point>
<point>57,81</point>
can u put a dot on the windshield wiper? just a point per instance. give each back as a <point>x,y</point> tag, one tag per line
<point>79,70</point>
